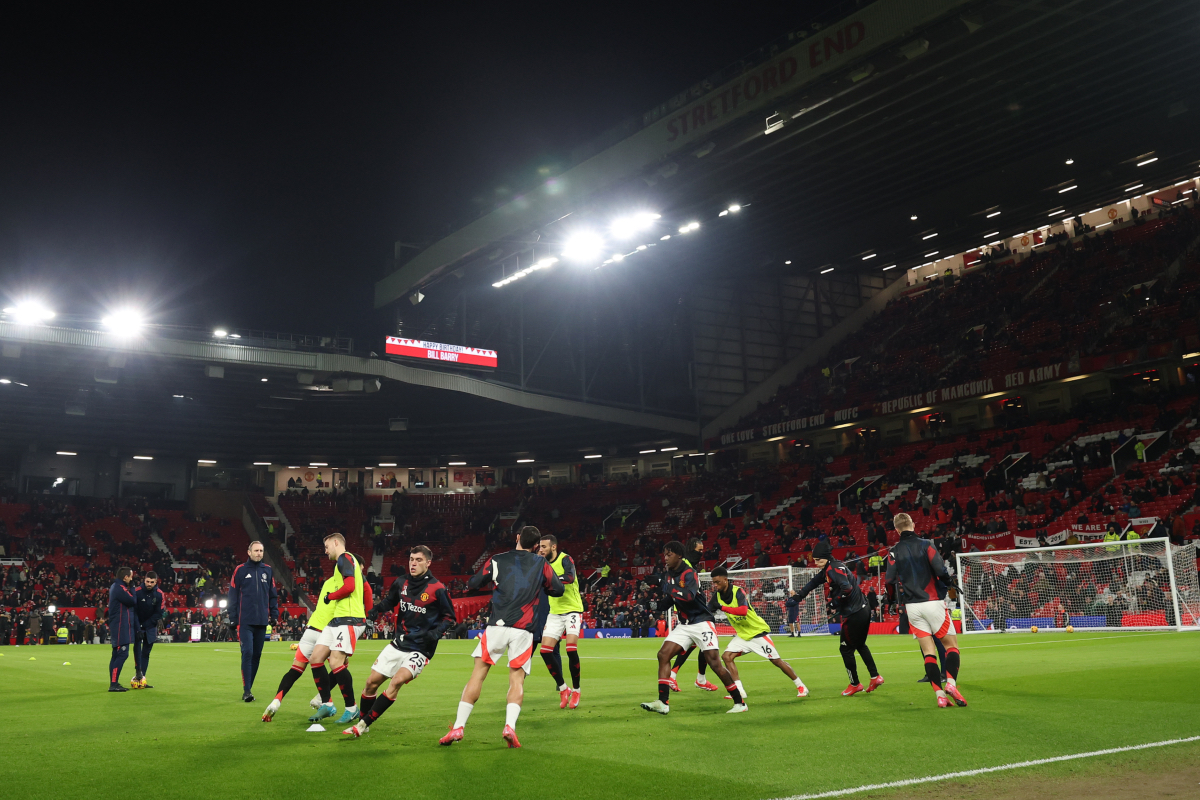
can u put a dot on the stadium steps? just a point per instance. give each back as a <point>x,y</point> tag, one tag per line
<point>377,563</point>
<point>287,527</point>
<point>161,545</point>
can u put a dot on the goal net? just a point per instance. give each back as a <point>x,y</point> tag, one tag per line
<point>1140,584</point>
<point>768,589</point>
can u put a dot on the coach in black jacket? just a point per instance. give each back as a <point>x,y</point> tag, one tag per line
<point>150,610</point>
<point>253,604</point>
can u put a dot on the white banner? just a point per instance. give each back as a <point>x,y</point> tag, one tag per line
<point>1057,538</point>
<point>1025,541</point>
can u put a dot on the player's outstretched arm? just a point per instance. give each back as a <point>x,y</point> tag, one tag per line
<point>741,604</point>
<point>481,578</point>
<point>554,587</point>
<point>811,586</point>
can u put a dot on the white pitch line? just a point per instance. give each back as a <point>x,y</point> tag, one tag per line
<point>1065,639</point>
<point>984,770</point>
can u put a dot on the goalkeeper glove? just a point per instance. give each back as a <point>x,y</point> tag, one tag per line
<point>326,598</point>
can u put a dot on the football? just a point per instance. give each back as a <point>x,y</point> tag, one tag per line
<point>1070,629</point>
<point>1033,629</point>
<point>295,646</point>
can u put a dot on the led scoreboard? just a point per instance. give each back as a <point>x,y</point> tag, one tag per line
<point>435,351</point>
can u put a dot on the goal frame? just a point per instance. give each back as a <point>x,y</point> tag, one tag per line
<point>1169,552</point>
<point>794,574</point>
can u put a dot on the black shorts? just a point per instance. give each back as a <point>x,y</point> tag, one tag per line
<point>855,628</point>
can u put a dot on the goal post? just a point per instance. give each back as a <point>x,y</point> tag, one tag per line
<point>1144,584</point>
<point>768,589</point>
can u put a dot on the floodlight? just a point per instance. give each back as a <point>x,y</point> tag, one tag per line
<point>733,209</point>
<point>124,322</point>
<point>223,604</point>
<point>52,609</point>
<point>524,460</point>
<point>583,246</point>
<point>220,333</point>
<point>208,603</point>
<point>627,226</point>
<point>29,312</point>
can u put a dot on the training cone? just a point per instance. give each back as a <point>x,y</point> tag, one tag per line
<point>315,727</point>
<point>31,658</point>
<point>66,663</point>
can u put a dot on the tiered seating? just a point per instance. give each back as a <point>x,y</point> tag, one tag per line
<point>1042,310</point>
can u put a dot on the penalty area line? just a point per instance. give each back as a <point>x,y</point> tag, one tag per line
<point>985,770</point>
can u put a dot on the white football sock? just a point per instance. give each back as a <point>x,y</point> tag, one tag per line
<point>950,680</point>
<point>674,675</point>
<point>464,713</point>
<point>701,678</point>
<point>740,687</point>
<point>799,683</point>
<point>562,687</point>
<point>352,709</point>
<point>511,712</point>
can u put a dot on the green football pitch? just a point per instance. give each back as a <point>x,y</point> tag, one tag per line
<point>1031,697</point>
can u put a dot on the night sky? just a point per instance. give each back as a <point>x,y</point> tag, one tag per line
<point>253,168</point>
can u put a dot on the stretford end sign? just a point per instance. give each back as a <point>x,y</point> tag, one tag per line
<point>435,351</point>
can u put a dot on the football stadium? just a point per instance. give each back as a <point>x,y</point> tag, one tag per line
<point>851,389</point>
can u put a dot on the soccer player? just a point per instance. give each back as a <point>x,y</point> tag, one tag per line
<point>253,605</point>
<point>695,629</point>
<point>753,633</point>
<point>913,565</point>
<point>150,610</point>
<point>122,625</point>
<point>340,637</point>
<point>321,616</point>
<point>847,600</point>
<point>521,578</point>
<point>565,621</point>
<point>695,557</point>
<point>793,614</point>
<point>423,613</point>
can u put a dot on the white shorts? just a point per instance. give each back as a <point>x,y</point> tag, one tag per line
<point>759,645</point>
<point>931,618</point>
<point>495,641</point>
<point>342,638</point>
<point>700,634</point>
<point>307,642</point>
<point>393,658</point>
<point>559,625</point>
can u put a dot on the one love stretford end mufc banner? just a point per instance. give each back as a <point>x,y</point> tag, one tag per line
<point>435,351</point>
<point>962,391</point>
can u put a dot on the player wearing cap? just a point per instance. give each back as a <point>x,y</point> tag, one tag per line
<point>521,579</point>
<point>423,613</point>
<point>695,628</point>
<point>753,633</point>
<point>913,567</point>
<point>565,621</point>
<point>846,599</point>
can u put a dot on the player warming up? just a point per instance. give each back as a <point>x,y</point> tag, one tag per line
<point>521,578</point>
<point>753,633</point>
<point>913,567</point>
<point>340,637</point>
<point>695,629</point>
<point>846,599</point>
<point>423,613</point>
<point>565,621</point>
<point>312,632</point>
<point>693,560</point>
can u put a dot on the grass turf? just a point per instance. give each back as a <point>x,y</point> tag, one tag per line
<point>1031,696</point>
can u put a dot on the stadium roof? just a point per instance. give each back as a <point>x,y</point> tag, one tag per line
<point>943,110</point>
<point>81,390</point>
